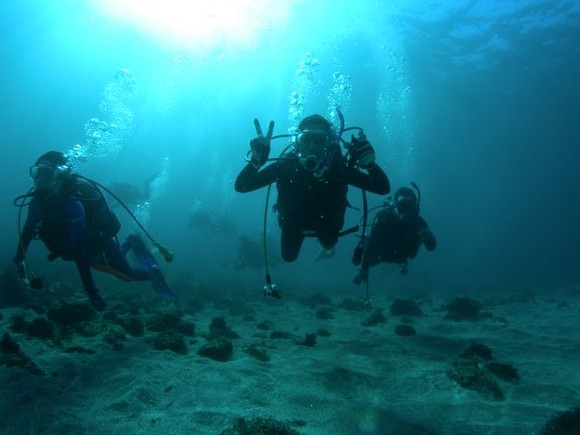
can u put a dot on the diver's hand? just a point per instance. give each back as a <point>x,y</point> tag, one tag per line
<point>260,146</point>
<point>362,150</point>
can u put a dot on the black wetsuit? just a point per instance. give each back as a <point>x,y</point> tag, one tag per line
<point>307,204</point>
<point>394,240</point>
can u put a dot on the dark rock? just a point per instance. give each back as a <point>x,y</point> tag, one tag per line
<point>219,329</point>
<point>565,423</point>
<point>8,345</point>
<point>266,325</point>
<point>12,356</point>
<point>257,352</point>
<point>323,332</point>
<point>478,349</point>
<point>40,328</point>
<point>186,328</point>
<point>219,350</point>
<point>405,307</point>
<point>506,372</point>
<point>170,340</point>
<point>325,313</point>
<point>309,340</point>
<point>460,309</point>
<point>469,373</point>
<point>405,330</point>
<point>375,318</point>
<point>70,315</point>
<point>475,370</point>
<point>18,323</point>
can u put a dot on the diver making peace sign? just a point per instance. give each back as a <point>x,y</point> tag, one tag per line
<point>312,178</point>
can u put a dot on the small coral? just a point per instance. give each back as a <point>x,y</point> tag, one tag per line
<point>468,373</point>
<point>257,352</point>
<point>219,329</point>
<point>169,340</point>
<point>507,372</point>
<point>565,423</point>
<point>478,349</point>
<point>325,313</point>
<point>463,309</point>
<point>40,328</point>
<point>218,349</point>
<point>405,330</point>
<point>375,318</point>
<point>266,325</point>
<point>309,340</point>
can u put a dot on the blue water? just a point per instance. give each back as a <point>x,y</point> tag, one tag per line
<point>476,101</point>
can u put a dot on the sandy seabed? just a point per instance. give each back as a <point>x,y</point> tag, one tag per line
<point>348,379</point>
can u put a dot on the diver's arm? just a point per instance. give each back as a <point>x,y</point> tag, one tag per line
<point>251,178</point>
<point>427,236</point>
<point>376,181</point>
<point>27,233</point>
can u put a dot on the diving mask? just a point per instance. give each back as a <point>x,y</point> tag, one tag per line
<point>406,207</point>
<point>46,176</point>
<point>312,147</point>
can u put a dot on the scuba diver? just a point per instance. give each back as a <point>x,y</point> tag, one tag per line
<point>397,234</point>
<point>69,213</point>
<point>312,178</point>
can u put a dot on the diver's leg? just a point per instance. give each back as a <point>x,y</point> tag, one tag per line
<point>136,245</point>
<point>83,264</point>
<point>116,260</point>
<point>146,260</point>
<point>291,242</point>
<point>328,239</point>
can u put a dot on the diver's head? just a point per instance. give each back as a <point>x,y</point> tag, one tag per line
<point>406,203</point>
<point>49,172</point>
<point>314,142</point>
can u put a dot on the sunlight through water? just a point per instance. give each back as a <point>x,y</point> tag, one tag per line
<point>201,24</point>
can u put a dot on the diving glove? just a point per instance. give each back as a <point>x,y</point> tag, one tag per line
<point>260,151</point>
<point>362,150</point>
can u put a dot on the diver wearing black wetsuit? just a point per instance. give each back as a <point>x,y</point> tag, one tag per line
<point>312,182</point>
